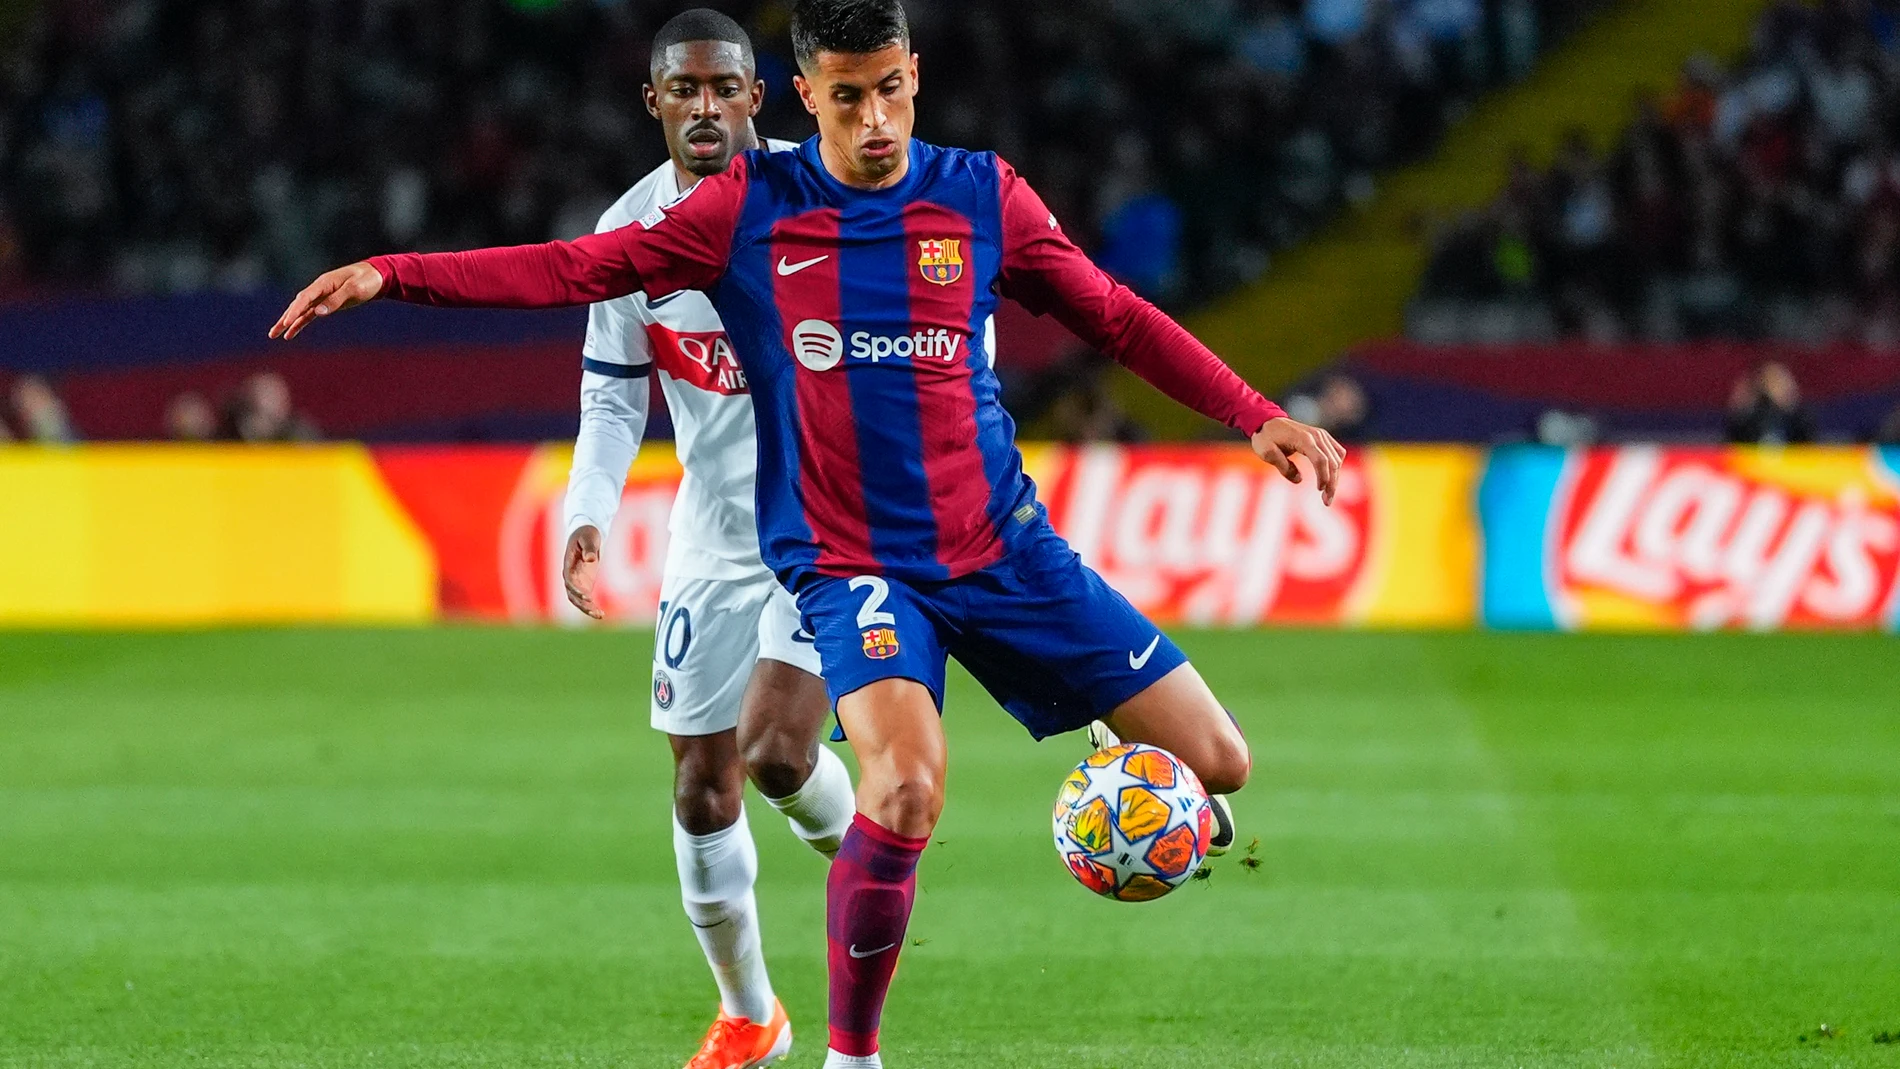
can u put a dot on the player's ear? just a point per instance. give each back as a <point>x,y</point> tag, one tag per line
<point>913,74</point>
<point>805,93</point>
<point>758,97</point>
<point>652,98</point>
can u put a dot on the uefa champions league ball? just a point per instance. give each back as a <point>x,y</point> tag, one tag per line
<point>1132,822</point>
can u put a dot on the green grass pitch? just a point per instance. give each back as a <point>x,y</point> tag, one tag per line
<point>450,848</point>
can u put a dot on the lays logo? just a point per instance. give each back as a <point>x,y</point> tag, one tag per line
<point>941,260</point>
<point>1706,539</point>
<point>1213,539</point>
<point>1193,535</point>
<point>880,643</point>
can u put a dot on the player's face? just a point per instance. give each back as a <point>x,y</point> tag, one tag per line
<point>705,100</point>
<point>865,104</point>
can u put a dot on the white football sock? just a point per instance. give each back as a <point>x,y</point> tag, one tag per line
<point>822,809</point>
<point>834,1060</point>
<point>716,875</point>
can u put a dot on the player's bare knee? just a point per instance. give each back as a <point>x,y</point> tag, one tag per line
<point>779,764</point>
<point>784,712</point>
<point>706,806</point>
<point>708,791</point>
<point>1227,765</point>
<point>908,802</point>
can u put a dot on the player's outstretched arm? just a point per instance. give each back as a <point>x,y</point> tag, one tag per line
<point>680,248</point>
<point>1047,273</point>
<point>553,275</point>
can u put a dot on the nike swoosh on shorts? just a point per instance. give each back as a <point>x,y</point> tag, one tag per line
<point>1137,663</point>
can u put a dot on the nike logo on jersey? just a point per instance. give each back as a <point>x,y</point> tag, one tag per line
<point>869,953</point>
<point>1138,663</point>
<point>658,301</point>
<point>785,268</point>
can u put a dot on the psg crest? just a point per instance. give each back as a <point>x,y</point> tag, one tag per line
<point>941,260</point>
<point>880,643</point>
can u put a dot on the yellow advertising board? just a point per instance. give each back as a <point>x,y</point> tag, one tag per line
<point>144,535</point>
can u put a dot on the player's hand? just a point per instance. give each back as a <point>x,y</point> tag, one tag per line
<point>333,291</point>
<point>1282,439</point>
<point>580,569</point>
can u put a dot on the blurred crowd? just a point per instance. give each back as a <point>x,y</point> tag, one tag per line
<point>258,410</point>
<point>181,145</point>
<point>37,412</point>
<point>1760,200</point>
<point>1765,407</point>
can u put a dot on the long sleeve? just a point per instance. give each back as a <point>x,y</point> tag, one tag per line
<point>680,247</point>
<point>616,390</point>
<point>613,420</point>
<point>1046,273</point>
<point>554,275</point>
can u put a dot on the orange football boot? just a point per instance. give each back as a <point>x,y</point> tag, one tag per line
<point>736,1043</point>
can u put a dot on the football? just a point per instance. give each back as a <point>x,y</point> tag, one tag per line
<point>1132,822</point>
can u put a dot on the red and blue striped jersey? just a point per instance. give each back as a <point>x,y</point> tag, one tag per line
<point>858,316</point>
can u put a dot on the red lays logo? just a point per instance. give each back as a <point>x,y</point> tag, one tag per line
<point>1711,539</point>
<point>1227,542</point>
<point>699,358</point>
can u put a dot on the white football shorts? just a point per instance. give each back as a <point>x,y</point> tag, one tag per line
<point>709,634</point>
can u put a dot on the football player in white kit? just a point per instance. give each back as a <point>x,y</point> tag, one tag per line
<point>736,684</point>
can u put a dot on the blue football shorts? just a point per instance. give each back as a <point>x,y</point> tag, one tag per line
<point>1053,644</point>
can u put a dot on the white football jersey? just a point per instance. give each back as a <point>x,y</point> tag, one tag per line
<point>680,338</point>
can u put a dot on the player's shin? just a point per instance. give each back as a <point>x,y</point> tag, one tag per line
<point>872,885</point>
<point>820,810</point>
<point>716,876</point>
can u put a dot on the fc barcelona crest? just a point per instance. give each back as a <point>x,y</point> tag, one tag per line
<point>880,643</point>
<point>941,260</point>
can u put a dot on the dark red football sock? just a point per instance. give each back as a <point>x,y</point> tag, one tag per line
<point>867,907</point>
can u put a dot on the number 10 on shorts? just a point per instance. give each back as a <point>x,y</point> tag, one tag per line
<point>672,635</point>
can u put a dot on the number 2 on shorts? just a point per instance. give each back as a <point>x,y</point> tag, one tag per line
<point>872,612</point>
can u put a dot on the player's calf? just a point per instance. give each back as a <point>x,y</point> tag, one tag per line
<point>784,711</point>
<point>819,803</point>
<point>894,729</point>
<point>718,865</point>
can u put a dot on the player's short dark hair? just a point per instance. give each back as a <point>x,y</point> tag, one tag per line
<point>849,26</point>
<point>702,24</point>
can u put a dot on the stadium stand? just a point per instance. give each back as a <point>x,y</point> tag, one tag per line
<point>201,155</point>
<point>164,146</point>
<point>1757,200</point>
